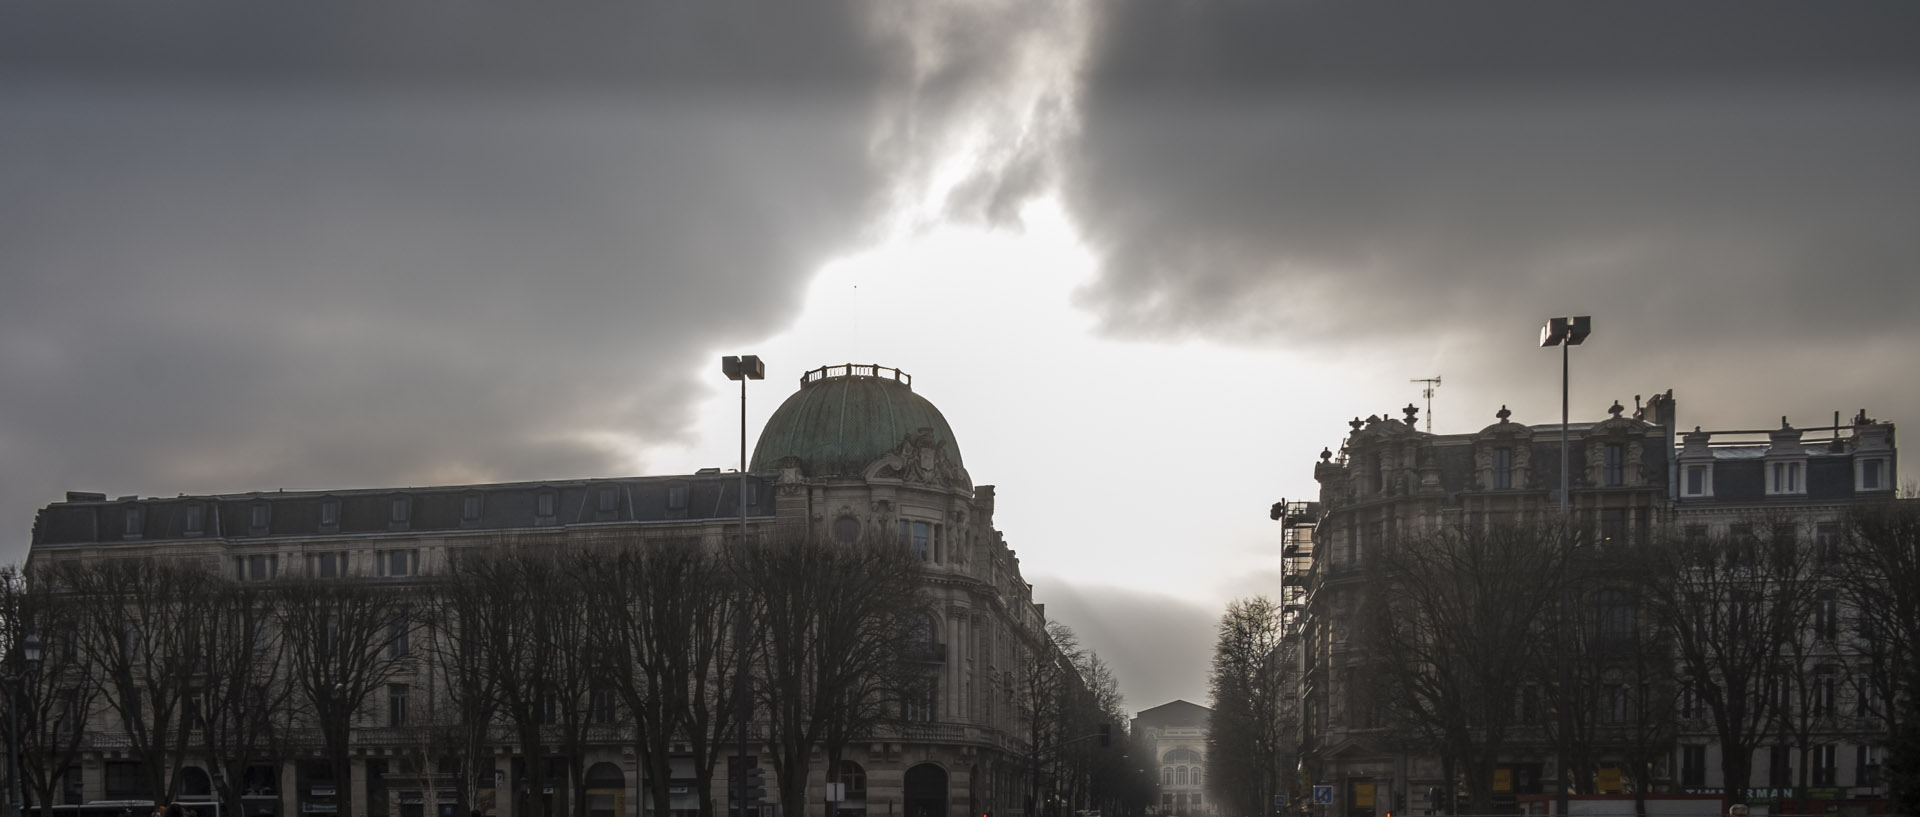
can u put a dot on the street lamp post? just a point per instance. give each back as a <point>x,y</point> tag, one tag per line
<point>1565,333</point>
<point>30,652</point>
<point>743,369</point>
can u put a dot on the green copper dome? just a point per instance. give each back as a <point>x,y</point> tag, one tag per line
<point>844,418</point>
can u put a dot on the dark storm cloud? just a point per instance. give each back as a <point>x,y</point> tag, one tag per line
<point>1159,646</point>
<point>335,245</point>
<point>1698,173</point>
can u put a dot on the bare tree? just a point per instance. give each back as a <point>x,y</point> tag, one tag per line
<point>55,700</point>
<point>835,620</point>
<point>345,641</point>
<point>1877,573</point>
<point>667,616</point>
<point>1248,690</point>
<point>1730,603</point>
<point>1624,688</point>
<point>1454,618</point>
<point>515,604</point>
<point>246,694</point>
<point>454,617</point>
<point>140,638</point>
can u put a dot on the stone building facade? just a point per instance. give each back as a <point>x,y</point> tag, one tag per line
<point>1634,476</point>
<point>1173,735</point>
<point>855,454</point>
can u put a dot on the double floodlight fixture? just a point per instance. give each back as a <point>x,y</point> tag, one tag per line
<point>749,367</point>
<point>1565,331</point>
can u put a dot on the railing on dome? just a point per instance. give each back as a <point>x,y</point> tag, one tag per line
<point>856,370</point>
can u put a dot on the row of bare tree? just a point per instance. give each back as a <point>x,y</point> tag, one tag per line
<point>1780,633</point>
<point>1067,694</point>
<point>546,644</point>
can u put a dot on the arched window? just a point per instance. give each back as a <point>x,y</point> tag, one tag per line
<point>1180,776</point>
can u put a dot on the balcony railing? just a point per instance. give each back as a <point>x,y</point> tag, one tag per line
<point>856,370</point>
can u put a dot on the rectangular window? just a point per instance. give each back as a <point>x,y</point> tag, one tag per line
<point>1696,535</point>
<point>1870,475</point>
<point>600,704</point>
<point>1780,766</point>
<point>1825,767</point>
<point>1696,480</point>
<point>1785,478</point>
<point>608,500</point>
<point>326,565</point>
<point>396,704</point>
<point>922,547</point>
<point>1866,765</point>
<point>400,510</point>
<point>544,504</point>
<point>261,514</point>
<point>1613,527</point>
<point>398,563</point>
<point>131,522</point>
<point>1826,544</point>
<point>1825,686</point>
<point>750,495</point>
<point>196,520</point>
<point>330,513</point>
<point>258,567</point>
<point>1502,469</point>
<point>125,779</point>
<point>1616,465</point>
<point>676,497</point>
<point>397,646</point>
<point>470,508</point>
<point>1693,765</point>
<point>1826,616</point>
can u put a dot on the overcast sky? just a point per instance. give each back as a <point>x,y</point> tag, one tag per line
<point>1147,257</point>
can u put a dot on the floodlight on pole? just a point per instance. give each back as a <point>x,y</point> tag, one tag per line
<point>1565,333</point>
<point>742,368</point>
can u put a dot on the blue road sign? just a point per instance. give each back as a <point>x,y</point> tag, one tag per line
<point>1279,799</point>
<point>1323,795</point>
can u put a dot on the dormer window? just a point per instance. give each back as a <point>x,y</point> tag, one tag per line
<point>1785,478</point>
<point>609,500</point>
<point>543,505</point>
<point>1616,474</point>
<point>677,497</point>
<point>330,514</point>
<point>132,521</point>
<point>1872,474</point>
<point>1502,469</point>
<point>258,517</point>
<point>470,508</point>
<point>399,512</point>
<point>196,519</point>
<point>1698,479</point>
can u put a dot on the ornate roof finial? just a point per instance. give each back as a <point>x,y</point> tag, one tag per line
<point>1615,409</point>
<point>1503,413</point>
<point>1326,454</point>
<point>1356,424</point>
<point>1411,411</point>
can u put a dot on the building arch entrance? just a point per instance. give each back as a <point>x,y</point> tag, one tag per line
<point>926,791</point>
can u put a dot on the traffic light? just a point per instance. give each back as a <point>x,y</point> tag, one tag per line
<point>755,788</point>
<point>1106,735</point>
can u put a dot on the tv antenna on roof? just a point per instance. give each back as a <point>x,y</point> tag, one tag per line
<point>1432,383</point>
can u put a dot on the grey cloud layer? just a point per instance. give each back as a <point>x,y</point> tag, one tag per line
<point>399,244</point>
<point>1290,169</point>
